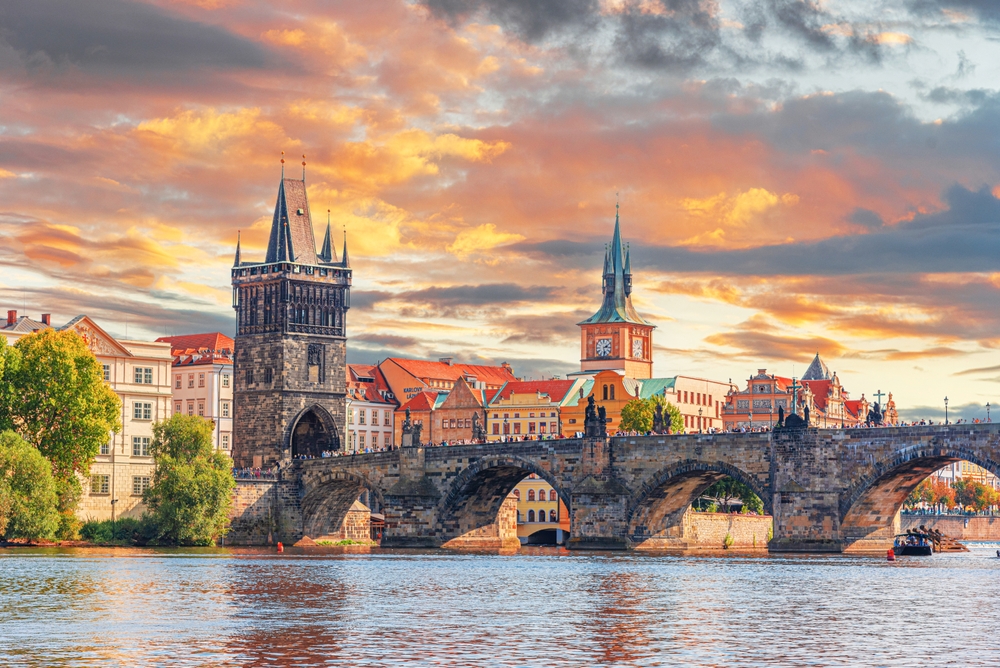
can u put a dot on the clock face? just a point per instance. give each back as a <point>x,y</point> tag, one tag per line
<point>637,348</point>
<point>603,347</point>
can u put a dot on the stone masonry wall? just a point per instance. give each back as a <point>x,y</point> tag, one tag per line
<point>502,534</point>
<point>709,530</point>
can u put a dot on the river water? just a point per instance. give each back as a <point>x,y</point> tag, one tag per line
<point>539,607</point>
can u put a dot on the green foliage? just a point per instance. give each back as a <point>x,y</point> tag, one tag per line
<point>192,490</point>
<point>125,531</point>
<point>55,397</point>
<point>770,533</point>
<point>922,493</point>
<point>727,542</point>
<point>637,415</point>
<point>727,490</point>
<point>348,541</point>
<point>28,499</point>
<point>972,493</point>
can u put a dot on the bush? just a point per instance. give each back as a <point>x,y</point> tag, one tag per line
<point>126,531</point>
<point>28,499</point>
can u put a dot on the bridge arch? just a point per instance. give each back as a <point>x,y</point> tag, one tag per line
<point>311,432</point>
<point>474,499</point>
<point>868,506</point>
<point>327,496</point>
<point>657,508</point>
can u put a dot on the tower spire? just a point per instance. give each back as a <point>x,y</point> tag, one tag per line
<point>344,259</point>
<point>236,260</point>
<point>327,254</point>
<point>282,165</point>
<point>303,168</point>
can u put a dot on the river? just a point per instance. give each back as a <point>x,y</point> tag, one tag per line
<point>539,607</point>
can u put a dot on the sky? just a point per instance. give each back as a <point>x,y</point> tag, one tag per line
<point>794,176</point>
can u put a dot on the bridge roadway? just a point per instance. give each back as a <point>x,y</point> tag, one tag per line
<point>829,490</point>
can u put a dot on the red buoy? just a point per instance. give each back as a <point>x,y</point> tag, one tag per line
<point>281,548</point>
<point>889,555</point>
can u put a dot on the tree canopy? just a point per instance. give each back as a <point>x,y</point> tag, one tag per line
<point>727,490</point>
<point>637,415</point>
<point>55,398</point>
<point>28,496</point>
<point>192,490</point>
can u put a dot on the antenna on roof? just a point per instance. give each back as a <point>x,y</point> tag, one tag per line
<point>303,167</point>
<point>282,165</point>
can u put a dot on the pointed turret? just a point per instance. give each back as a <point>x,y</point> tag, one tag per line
<point>327,254</point>
<point>628,271</point>
<point>344,259</point>
<point>292,238</point>
<point>236,260</point>
<point>817,370</point>
<point>617,288</point>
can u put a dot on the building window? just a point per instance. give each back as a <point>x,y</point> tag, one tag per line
<point>541,427</point>
<point>177,382</point>
<point>201,380</point>
<point>225,441</point>
<point>140,446</point>
<point>143,375</point>
<point>444,423</point>
<point>531,415</point>
<point>517,427</point>
<point>105,448</point>
<point>191,379</point>
<point>190,408</point>
<point>496,428</point>
<point>142,411</point>
<point>268,375</point>
<point>531,515</point>
<point>350,416</point>
<point>107,372</point>
<point>100,484</point>
<point>604,394</point>
<point>386,419</point>
<point>552,516</point>
<point>225,380</point>
<point>517,494</point>
<point>361,440</point>
<point>361,416</point>
<point>742,404</point>
<point>201,408</point>
<point>140,483</point>
<point>374,416</point>
<point>468,423</point>
<point>225,409</point>
<point>451,423</point>
<point>517,415</point>
<point>531,427</point>
<point>612,392</point>
<point>249,376</point>
<point>552,495</point>
<point>531,495</point>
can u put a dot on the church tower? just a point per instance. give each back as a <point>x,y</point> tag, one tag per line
<point>290,347</point>
<point>616,337</point>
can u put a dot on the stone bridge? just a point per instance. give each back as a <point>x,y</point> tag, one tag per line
<point>828,490</point>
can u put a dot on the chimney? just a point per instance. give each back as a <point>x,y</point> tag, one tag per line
<point>504,365</point>
<point>445,360</point>
<point>47,319</point>
<point>11,317</point>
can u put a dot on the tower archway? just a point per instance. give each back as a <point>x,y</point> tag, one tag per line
<point>312,432</point>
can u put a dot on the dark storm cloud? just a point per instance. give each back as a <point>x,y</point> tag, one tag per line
<point>530,20</point>
<point>117,36</point>
<point>366,299</point>
<point>679,38</point>
<point>804,19</point>
<point>986,10</point>
<point>490,294</point>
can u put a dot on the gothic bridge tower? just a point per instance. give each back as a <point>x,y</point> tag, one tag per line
<point>290,366</point>
<point>617,337</point>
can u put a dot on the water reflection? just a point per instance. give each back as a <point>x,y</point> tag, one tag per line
<point>542,606</point>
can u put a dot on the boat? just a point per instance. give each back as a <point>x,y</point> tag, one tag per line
<point>913,544</point>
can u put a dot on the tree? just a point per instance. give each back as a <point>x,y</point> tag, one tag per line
<point>922,493</point>
<point>942,494</point>
<point>637,415</point>
<point>27,491</point>
<point>56,400</point>
<point>192,490</point>
<point>727,490</point>
<point>974,493</point>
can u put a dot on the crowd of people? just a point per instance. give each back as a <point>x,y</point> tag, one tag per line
<point>255,473</point>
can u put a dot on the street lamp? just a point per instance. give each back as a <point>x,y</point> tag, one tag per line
<point>946,410</point>
<point>700,410</point>
<point>988,412</point>
<point>506,429</point>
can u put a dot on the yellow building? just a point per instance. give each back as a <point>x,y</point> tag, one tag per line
<point>530,408</point>
<point>542,518</point>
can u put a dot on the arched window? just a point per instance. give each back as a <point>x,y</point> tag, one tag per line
<point>612,391</point>
<point>552,516</point>
<point>517,494</point>
<point>552,495</point>
<point>605,395</point>
<point>541,495</point>
<point>531,514</point>
<point>531,495</point>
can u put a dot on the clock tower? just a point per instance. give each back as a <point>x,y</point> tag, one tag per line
<point>616,337</point>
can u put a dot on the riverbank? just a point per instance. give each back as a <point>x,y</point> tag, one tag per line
<point>959,527</point>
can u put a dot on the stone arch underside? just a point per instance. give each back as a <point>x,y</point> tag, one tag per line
<point>869,507</point>
<point>469,512</point>
<point>656,514</point>
<point>311,432</point>
<point>327,499</point>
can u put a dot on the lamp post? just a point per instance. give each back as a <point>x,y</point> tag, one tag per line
<point>988,412</point>
<point>506,429</point>
<point>700,428</point>
<point>946,410</point>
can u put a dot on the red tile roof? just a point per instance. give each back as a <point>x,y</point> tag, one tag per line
<point>854,407</point>
<point>555,389</point>
<point>491,375</point>
<point>197,342</point>
<point>820,390</point>
<point>422,402</point>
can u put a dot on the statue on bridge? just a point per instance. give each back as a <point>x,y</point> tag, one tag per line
<point>594,422</point>
<point>781,417</point>
<point>415,434</point>
<point>407,425</point>
<point>658,427</point>
<point>875,416</point>
<point>478,431</point>
<point>805,415</point>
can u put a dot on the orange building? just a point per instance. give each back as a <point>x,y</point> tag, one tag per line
<point>530,408</point>
<point>617,337</point>
<point>452,419</point>
<point>407,378</point>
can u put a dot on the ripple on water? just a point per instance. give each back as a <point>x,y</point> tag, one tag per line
<point>539,607</point>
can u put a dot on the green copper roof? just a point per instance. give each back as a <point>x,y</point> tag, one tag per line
<point>652,386</point>
<point>617,305</point>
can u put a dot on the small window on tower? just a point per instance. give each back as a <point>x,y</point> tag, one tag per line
<point>301,212</point>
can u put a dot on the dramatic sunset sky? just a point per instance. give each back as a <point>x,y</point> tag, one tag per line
<point>794,175</point>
